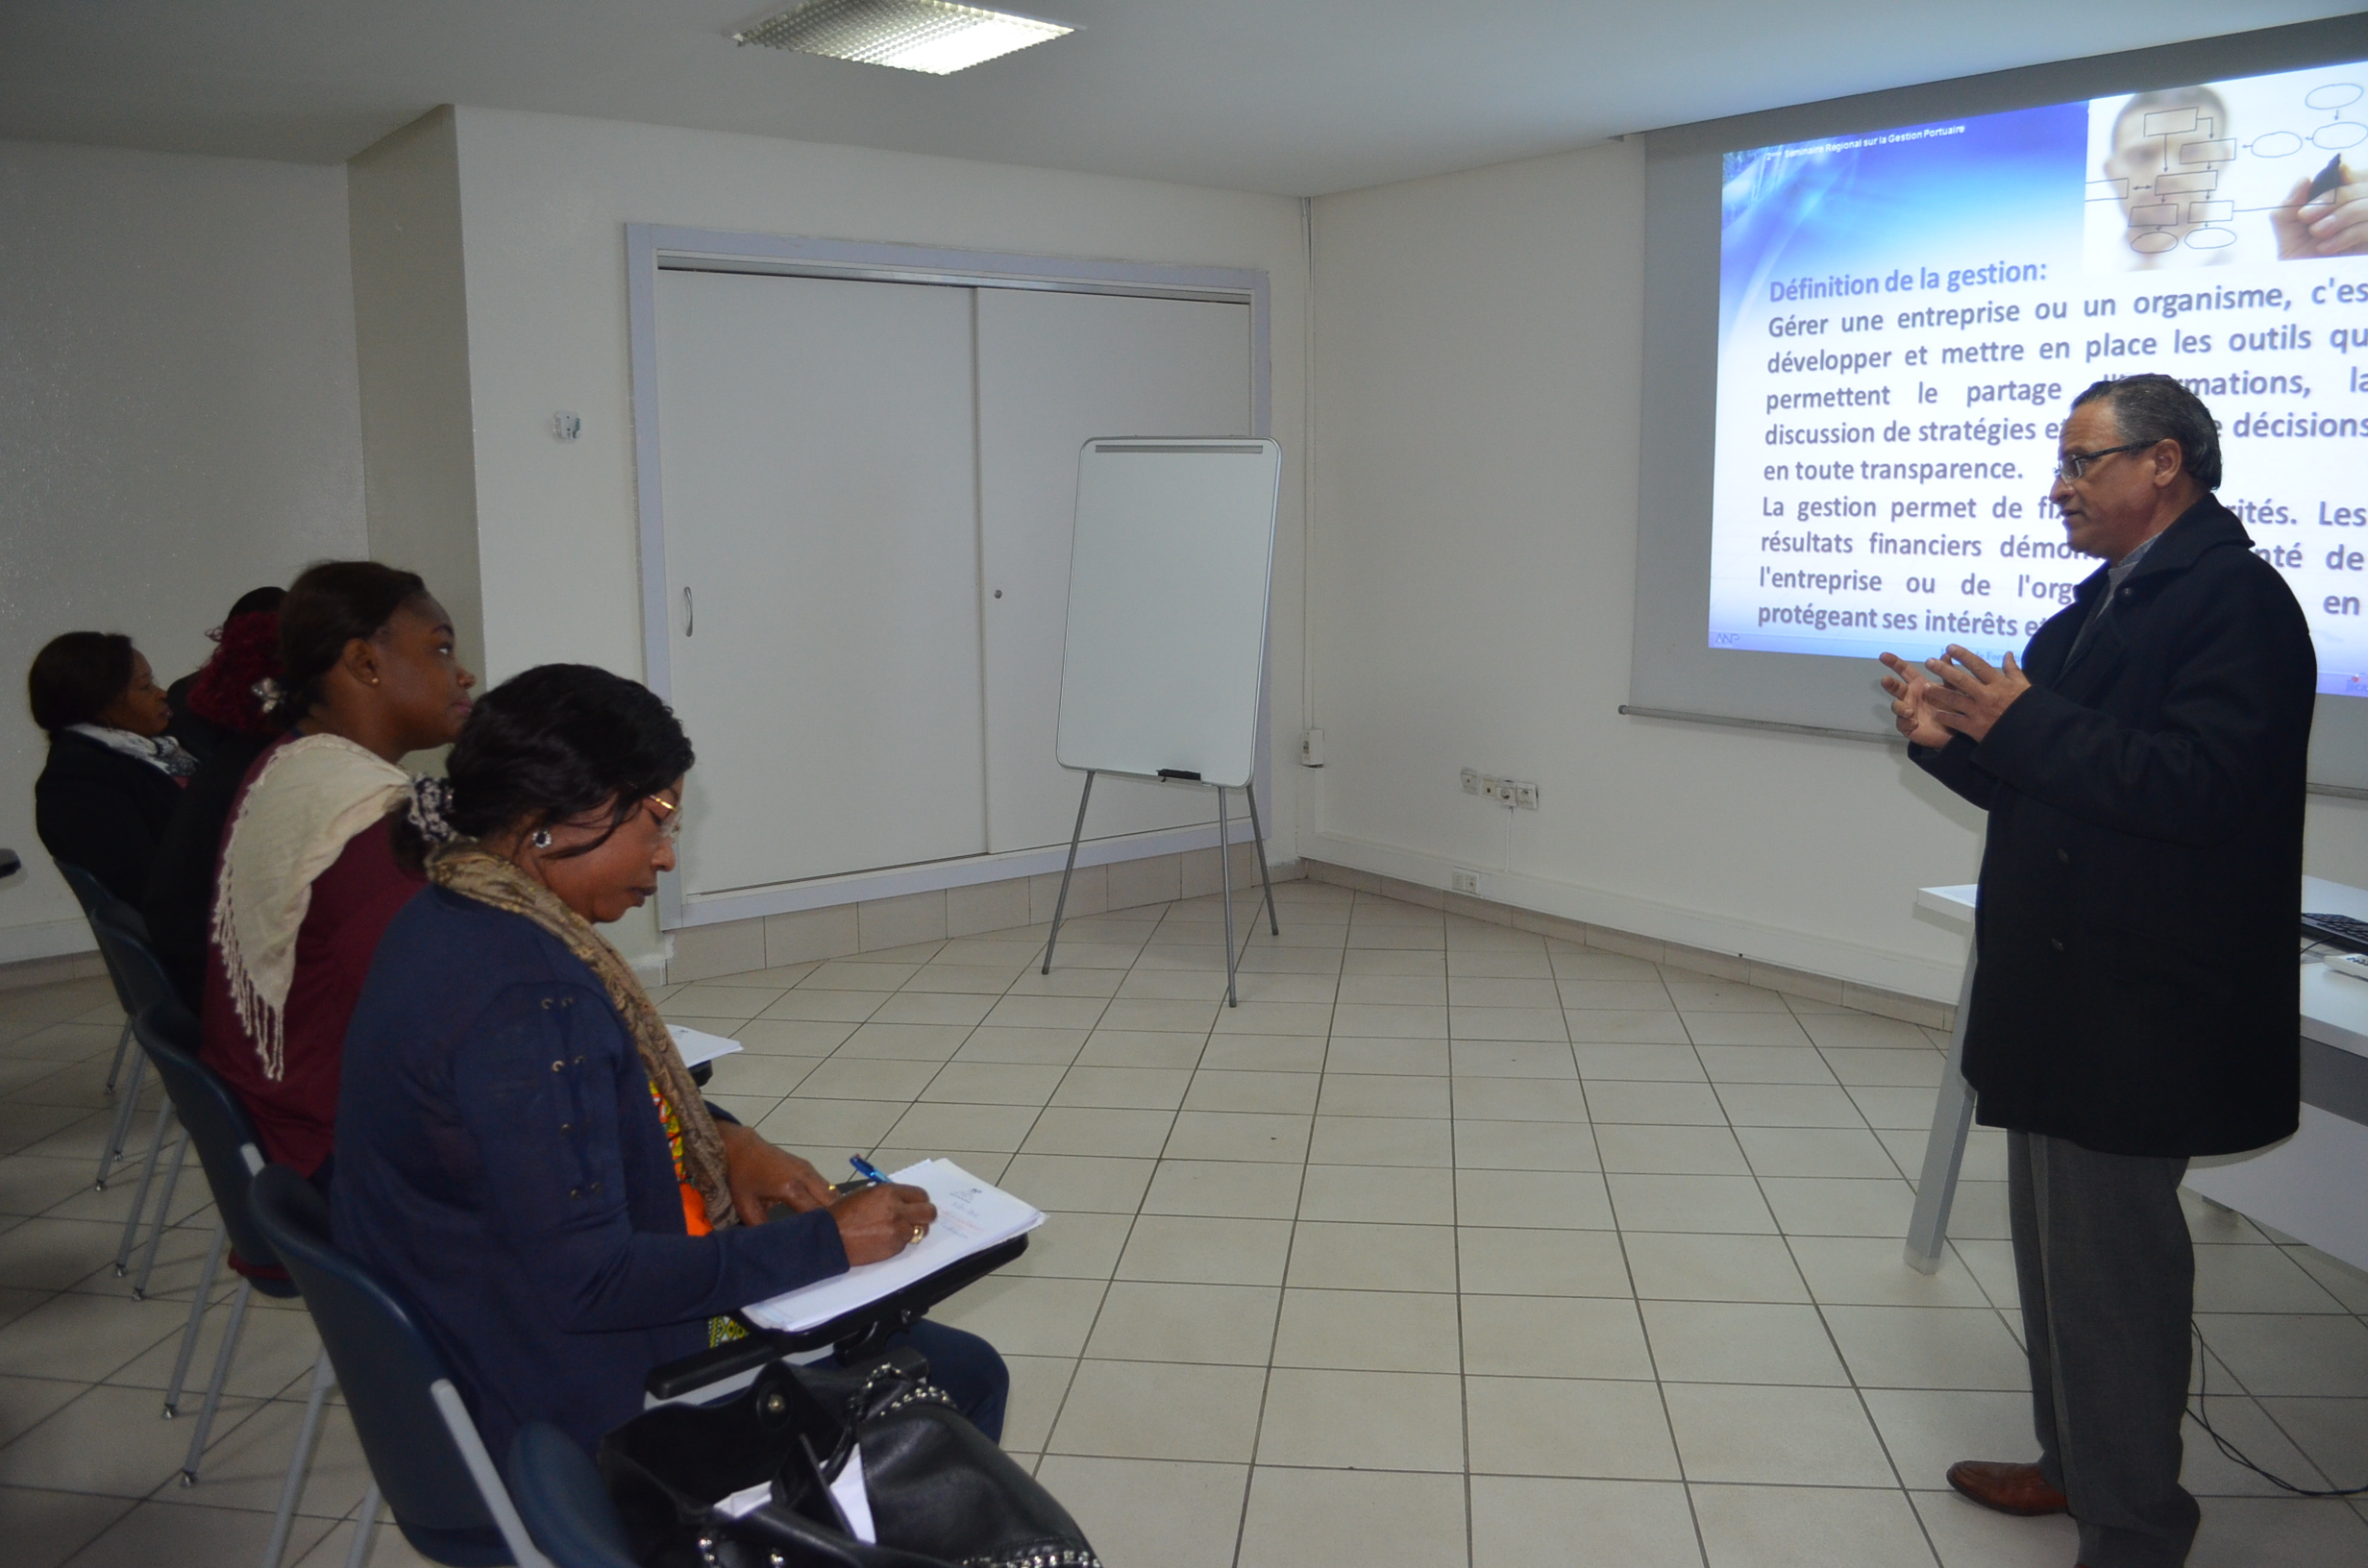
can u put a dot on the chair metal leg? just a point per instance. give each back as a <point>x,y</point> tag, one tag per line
<point>197,1314</point>
<point>365,1531</point>
<point>489,1485</point>
<point>1061,904</point>
<point>126,1108</point>
<point>139,1198</point>
<point>164,1212</point>
<point>1258,837</point>
<point>221,1375</point>
<point>123,1043</point>
<point>299,1463</point>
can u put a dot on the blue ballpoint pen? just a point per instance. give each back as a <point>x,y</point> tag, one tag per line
<point>867,1170</point>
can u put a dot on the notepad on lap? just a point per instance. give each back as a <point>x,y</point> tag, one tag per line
<point>972,1216</point>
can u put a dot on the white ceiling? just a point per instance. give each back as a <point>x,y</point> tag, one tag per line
<point>1298,97</point>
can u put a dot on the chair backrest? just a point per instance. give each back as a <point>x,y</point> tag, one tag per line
<point>448,1500</point>
<point>93,895</point>
<point>217,1123</point>
<point>565,1506</point>
<point>141,980</point>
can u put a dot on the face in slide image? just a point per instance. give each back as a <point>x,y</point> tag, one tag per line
<point>2169,150</point>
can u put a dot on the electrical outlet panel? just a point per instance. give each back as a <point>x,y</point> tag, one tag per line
<point>1514,793</point>
<point>1460,880</point>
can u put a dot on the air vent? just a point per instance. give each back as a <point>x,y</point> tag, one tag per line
<point>910,35</point>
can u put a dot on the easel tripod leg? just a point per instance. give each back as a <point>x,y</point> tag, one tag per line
<point>1069,870</point>
<point>1224,874</point>
<point>1258,837</point>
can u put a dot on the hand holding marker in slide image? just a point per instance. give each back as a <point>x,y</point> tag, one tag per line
<point>2324,217</point>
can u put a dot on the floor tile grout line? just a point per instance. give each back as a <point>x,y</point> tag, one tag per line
<point>1101,1304</point>
<point>1834,1342</point>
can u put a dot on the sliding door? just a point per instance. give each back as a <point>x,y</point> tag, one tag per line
<point>1054,371</point>
<point>819,479</point>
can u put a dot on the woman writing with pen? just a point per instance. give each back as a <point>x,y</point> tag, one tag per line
<point>520,1149</point>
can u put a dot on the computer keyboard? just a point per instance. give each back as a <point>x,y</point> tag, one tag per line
<point>2337,931</point>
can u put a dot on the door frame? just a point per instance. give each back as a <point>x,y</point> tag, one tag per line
<point>654,248</point>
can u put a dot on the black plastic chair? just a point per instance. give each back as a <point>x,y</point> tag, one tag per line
<point>129,956</point>
<point>104,910</point>
<point>561,1497</point>
<point>427,1458</point>
<point>228,1152</point>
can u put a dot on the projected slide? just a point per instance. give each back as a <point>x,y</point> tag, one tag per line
<point>1905,314</point>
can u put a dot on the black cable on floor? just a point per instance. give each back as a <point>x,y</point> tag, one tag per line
<point>2195,1413</point>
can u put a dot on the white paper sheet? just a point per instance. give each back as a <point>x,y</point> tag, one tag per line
<point>972,1216</point>
<point>697,1045</point>
<point>854,1500</point>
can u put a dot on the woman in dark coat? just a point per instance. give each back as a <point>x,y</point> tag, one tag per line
<point>114,778</point>
<point>520,1150</point>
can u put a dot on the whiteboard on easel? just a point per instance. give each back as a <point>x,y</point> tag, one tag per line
<point>1169,577</point>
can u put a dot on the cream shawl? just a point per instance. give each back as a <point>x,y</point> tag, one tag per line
<point>312,797</point>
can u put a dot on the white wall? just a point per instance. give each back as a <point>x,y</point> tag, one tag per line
<point>544,202</point>
<point>178,415</point>
<point>412,339</point>
<point>1478,359</point>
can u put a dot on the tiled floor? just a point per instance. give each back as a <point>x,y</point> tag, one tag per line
<point>1451,1245</point>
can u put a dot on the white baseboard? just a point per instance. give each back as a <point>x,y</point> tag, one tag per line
<point>46,939</point>
<point>1784,946</point>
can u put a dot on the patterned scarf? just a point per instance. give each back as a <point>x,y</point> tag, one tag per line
<point>162,752</point>
<point>468,867</point>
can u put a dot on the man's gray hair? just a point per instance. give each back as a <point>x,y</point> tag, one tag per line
<point>2153,408</point>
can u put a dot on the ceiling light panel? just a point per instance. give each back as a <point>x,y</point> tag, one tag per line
<point>910,35</point>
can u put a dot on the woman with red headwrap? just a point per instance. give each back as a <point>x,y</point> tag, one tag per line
<point>219,713</point>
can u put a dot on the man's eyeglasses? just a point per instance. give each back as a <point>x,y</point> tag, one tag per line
<point>2074,464</point>
<point>669,815</point>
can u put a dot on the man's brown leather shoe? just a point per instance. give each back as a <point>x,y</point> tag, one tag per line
<point>2009,1488</point>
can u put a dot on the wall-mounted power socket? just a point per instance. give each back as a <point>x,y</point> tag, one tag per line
<point>1460,880</point>
<point>1505,792</point>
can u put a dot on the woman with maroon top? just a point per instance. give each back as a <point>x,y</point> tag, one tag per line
<point>310,875</point>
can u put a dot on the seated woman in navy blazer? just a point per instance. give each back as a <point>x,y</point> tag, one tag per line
<point>521,1152</point>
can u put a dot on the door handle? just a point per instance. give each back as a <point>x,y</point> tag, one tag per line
<point>689,620</point>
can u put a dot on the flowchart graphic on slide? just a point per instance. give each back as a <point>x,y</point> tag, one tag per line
<point>2172,169</point>
<point>1906,316</point>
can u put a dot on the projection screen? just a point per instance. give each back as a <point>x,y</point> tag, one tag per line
<point>1865,320</point>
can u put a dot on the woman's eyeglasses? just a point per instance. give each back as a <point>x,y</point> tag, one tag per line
<point>668,815</point>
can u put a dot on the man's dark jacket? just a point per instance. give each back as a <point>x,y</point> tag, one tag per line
<point>2137,988</point>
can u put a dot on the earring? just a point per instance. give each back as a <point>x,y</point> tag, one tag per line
<point>541,838</point>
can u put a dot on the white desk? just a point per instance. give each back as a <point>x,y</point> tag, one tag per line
<point>2307,1186</point>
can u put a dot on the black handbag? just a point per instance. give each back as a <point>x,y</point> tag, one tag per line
<point>942,1495</point>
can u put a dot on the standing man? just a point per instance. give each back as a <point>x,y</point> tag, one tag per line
<point>2135,997</point>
